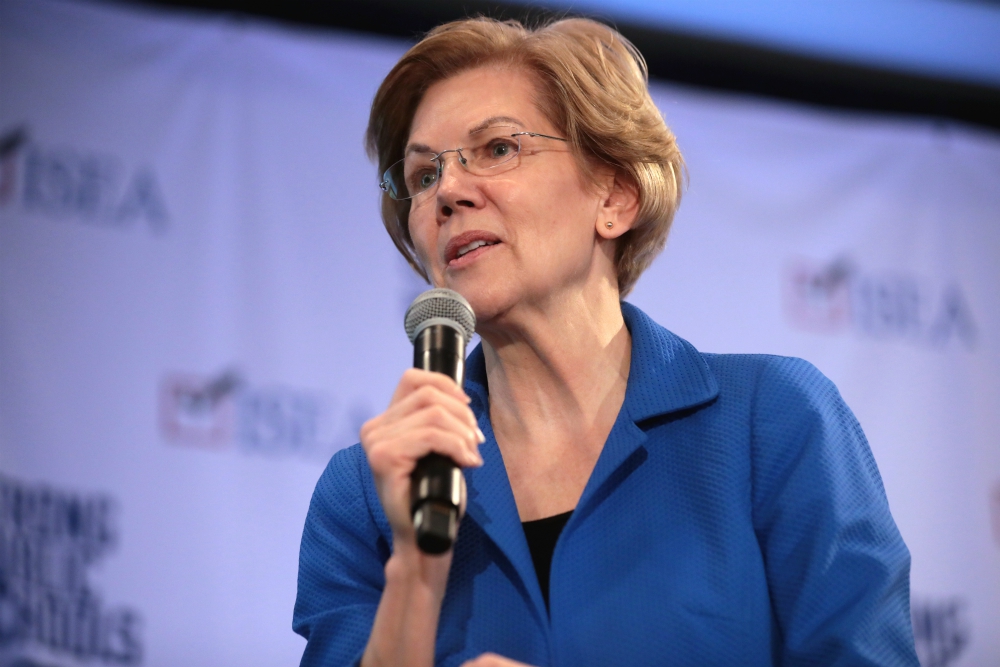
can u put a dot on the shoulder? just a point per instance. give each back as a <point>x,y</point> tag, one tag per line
<point>774,382</point>
<point>795,412</point>
<point>786,411</point>
<point>669,374</point>
<point>343,478</point>
<point>345,501</point>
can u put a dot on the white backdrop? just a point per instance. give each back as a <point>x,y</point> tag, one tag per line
<point>198,305</point>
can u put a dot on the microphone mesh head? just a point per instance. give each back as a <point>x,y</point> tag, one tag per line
<point>440,303</point>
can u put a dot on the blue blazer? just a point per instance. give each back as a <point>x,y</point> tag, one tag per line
<point>735,517</point>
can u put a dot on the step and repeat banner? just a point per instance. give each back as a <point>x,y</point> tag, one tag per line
<point>199,305</point>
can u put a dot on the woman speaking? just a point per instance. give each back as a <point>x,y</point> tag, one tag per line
<point>631,500</point>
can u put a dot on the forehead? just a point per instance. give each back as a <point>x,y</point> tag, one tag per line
<point>452,108</point>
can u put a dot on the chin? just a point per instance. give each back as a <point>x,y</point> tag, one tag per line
<point>490,300</point>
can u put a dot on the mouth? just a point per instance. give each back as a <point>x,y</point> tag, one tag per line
<point>465,247</point>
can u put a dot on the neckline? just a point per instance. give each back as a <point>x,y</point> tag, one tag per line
<point>554,519</point>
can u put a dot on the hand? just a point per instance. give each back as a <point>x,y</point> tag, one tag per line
<point>428,413</point>
<point>493,660</point>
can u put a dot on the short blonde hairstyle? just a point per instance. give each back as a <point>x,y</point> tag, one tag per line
<point>593,86</point>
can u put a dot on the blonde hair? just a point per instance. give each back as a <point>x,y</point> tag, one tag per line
<point>593,86</point>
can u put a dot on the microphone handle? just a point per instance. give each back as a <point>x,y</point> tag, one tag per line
<point>436,482</point>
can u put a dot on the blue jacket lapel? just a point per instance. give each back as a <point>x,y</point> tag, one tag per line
<point>666,374</point>
<point>490,499</point>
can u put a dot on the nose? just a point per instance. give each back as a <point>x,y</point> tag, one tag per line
<point>440,158</point>
<point>453,188</point>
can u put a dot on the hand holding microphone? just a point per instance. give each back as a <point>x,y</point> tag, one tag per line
<point>416,447</point>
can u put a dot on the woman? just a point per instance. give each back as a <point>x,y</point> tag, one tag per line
<point>703,509</point>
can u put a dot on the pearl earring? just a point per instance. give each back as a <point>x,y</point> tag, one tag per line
<point>609,224</point>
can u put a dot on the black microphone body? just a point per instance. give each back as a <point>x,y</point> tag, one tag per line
<point>439,338</point>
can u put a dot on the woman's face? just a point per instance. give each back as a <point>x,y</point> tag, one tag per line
<point>542,220</point>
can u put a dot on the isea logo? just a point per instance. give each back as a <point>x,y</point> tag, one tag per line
<point>80,185</point>
<point>225,412</point>
<point>839,297</point>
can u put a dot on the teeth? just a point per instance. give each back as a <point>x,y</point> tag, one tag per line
<point>472,246</point>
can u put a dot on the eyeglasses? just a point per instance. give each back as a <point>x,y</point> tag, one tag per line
<point>492,151</point>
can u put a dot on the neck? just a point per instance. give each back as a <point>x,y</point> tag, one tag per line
<point>557,371</point>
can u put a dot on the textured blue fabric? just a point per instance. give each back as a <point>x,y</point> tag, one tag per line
<point>734,517</point>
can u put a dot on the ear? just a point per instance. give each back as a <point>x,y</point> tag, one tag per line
<point>619,206</point>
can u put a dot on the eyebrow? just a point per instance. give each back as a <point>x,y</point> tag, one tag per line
<point>493,120</point>
<point>489,122</point>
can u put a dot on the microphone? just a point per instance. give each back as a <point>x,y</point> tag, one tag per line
<point>439,323</point>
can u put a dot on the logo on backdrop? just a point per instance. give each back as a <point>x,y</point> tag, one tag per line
<point>839,297</point>
<point>227,412</point>
<point>49,539</point>
<point>940,631</point>
<point>63,183</point>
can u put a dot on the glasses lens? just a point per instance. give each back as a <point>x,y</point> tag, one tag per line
<point>487,151</point>
<point>492,148</point>
<point>410,176</point>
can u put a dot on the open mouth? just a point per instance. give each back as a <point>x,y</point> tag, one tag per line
<point>464,247</point>
<point>475,245</point>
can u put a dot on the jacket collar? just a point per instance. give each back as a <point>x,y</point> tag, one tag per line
<point>666,374</point>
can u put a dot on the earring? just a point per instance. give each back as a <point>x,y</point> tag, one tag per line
<point>609,224</point>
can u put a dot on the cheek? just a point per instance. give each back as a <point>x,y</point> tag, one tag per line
<point>543,201</point>
<point>561,212</point>
<point>422,235</point>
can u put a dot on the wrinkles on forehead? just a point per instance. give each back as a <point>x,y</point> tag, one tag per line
<point>478,127</point>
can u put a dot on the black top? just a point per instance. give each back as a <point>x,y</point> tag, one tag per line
<point>542,535</point>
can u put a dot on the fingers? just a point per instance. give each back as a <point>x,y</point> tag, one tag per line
<point>428,412</point>
<point>399,445</point>
<point>429,429</point>
<point>429,396</point>
<point>415,378</point>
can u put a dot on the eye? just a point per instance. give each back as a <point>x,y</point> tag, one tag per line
<point>427,179</point>
<point>502,148</point>
<point>420,180</point>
